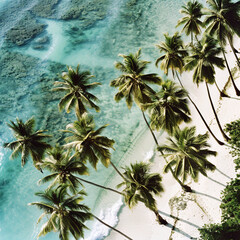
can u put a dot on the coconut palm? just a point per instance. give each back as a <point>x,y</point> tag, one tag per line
<point>87,142</point>
<point>174,53</point>
<point>64,213</point>
<point>132,84</point>
<point>174,59</point>
<point>76,85</point>
<point>168,107</point>
<point>28,141</point>
<point>187,153</point>
<point>191,21</point>
<point>141,185</point>
<point>63,168</point>
<point>203,59</point>
<point>223,20</point>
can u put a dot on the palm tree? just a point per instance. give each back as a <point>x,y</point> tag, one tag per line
<point>76,86</point>
<point>174,59</point>
<point>141,185</point>
<point>191,21</point>
<point>203,59</point>
<point>64,213</point>
<point>132,84</point>
<point>223,20</point>
<point>87,142</point>
<point>174,53</point>
<point>187,153</point>
<point>168,107</point>
<point>63,167</point>
<point>28,141</point>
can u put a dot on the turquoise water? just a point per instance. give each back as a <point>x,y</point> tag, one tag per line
<point>28,69</point>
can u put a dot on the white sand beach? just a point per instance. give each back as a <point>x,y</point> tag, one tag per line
<point>188,211</point>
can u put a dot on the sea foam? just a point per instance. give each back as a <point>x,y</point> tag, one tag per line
<point>109,216</point>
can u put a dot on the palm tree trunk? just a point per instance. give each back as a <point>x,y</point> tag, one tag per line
<point>154,137</point>
<point>222,94</point>
<point>233,49</point>
<point>215,114</point>
<point>229,70</point>
<point>97,185</point>
<point>159,218</point>
<point>119,173</point>
<point>114,229</point>
<point>185,187</point>
<point>200,114</point>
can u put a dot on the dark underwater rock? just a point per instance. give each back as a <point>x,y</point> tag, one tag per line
<point>45,8</point>
<point>89,12</point>
<point>26,29</point>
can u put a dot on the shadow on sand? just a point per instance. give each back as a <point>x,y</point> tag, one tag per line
<point>216,181</point>
<point>179,219</point>
<point>175,229</point>
<point>204,194</point>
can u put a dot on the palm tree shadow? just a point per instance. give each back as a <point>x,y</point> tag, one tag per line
<point>225,175</point>
<point>216,181</point>
<point>204,194</point>
<point>179,219</point>
<point>175,229</point>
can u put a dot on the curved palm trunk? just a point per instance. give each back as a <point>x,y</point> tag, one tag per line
<point>184,187</point>
<point>233,49</point>
<point>200,114</point>
<point>231,77</point>
<point>119,173</point>
<point>154,137</point>
<point>222,94</point>
<point>100,186</point>
<point>159,218</point>
<point>114,229</point>
<point>215,114</point>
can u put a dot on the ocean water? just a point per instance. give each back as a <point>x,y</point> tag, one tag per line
<point>92,35</point>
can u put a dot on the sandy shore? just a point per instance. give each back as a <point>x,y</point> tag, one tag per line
<point>186,211</point>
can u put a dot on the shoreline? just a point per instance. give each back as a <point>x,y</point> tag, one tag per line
<point>188,211</point>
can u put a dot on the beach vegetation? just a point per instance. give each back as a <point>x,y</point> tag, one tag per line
<point>87,141</point>
<point>223,20</point>
<point>28,142</point>
<point>77,86</point>
<point>187,153</point>
<point>204,57</point>
<point>141,185</point>
<point>192,11</point>
<point>168,107</point>
<point>174,53</point>
<point>65,169</point>
<point>132,84</point>
<point>230,206</point>
<point>233,129</point>
<point>174,59</point>
<point>65,214</point>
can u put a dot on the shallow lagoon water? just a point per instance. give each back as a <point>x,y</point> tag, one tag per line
<point>26,80</point>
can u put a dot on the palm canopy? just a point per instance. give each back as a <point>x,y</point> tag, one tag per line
<point>64,213</point>
<point>203,58</point>
<point>174,53</point>
<point>87,142</point>
<point>191,21</point>
<point>132,84</point>
<point>169,107</point>
<point>62,167</point>
<point>28,141</point>
<point>187,153</point>
<point>76,85</point>
<point>140,185</point>
<point>223,18</point>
